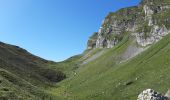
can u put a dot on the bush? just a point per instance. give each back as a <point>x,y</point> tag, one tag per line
<point>53,76</point>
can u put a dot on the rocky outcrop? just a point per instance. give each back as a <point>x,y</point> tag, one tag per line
<point>92,41</point>
<point>167,94</point>
<point>150,94</point>
<point>155,28</point>
<point>149,21</point>
<point>155,35</point>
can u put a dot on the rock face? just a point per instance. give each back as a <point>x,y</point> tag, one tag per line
<point>150,94</point>
<point>149,22</point>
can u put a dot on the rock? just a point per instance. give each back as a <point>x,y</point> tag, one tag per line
<point>167,94</point>
<point>150,94</point>
<point>147,21</point>
<point>156,34</point>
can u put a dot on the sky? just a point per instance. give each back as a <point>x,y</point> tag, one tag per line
<point>54,29</point>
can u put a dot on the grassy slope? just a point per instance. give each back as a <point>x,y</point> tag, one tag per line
<point>101,79</point>
<point>24,76</point>
<point>27,77</point>
<point>105,78</point>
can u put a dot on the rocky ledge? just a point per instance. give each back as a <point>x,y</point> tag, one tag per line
<point>148,22</point>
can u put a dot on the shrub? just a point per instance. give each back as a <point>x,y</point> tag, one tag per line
<point>53,76</point>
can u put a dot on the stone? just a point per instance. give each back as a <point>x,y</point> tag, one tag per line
<point>138,20</point>
<point>167,94</point>
<point>150,94</point>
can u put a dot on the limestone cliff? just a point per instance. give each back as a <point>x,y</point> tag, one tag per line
<point>148,22</point>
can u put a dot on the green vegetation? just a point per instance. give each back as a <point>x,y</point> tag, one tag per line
<point>24,76</point>
<point>107,79</point>
<point>162,18</point>
<point>96,74</point>
<point>145,29</point>
<point>68,66</point>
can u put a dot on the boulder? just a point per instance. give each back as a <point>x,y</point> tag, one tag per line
<point>168,94</point>
<point>150,94</point>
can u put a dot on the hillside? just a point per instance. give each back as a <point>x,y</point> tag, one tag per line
<point>129,53</point>
<point>106,78</point>
<point>24,76</point>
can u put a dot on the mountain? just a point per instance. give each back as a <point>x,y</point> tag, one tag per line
<point>130,53</point>
<point>108,77</point>
<point>149,22</point>
<point>22,75</point>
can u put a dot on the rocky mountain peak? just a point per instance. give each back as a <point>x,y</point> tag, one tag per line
<point>148,22</point>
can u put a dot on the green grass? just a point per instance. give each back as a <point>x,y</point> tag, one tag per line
<point>68,67</point>
<point>105,78</point>
<point>24,76</point>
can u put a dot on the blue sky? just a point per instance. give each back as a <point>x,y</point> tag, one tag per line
<point>54,29</point>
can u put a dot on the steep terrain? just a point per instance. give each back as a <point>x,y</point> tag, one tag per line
<point>24,76</point>
<point>149,22</point>
<point>129,53</point>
